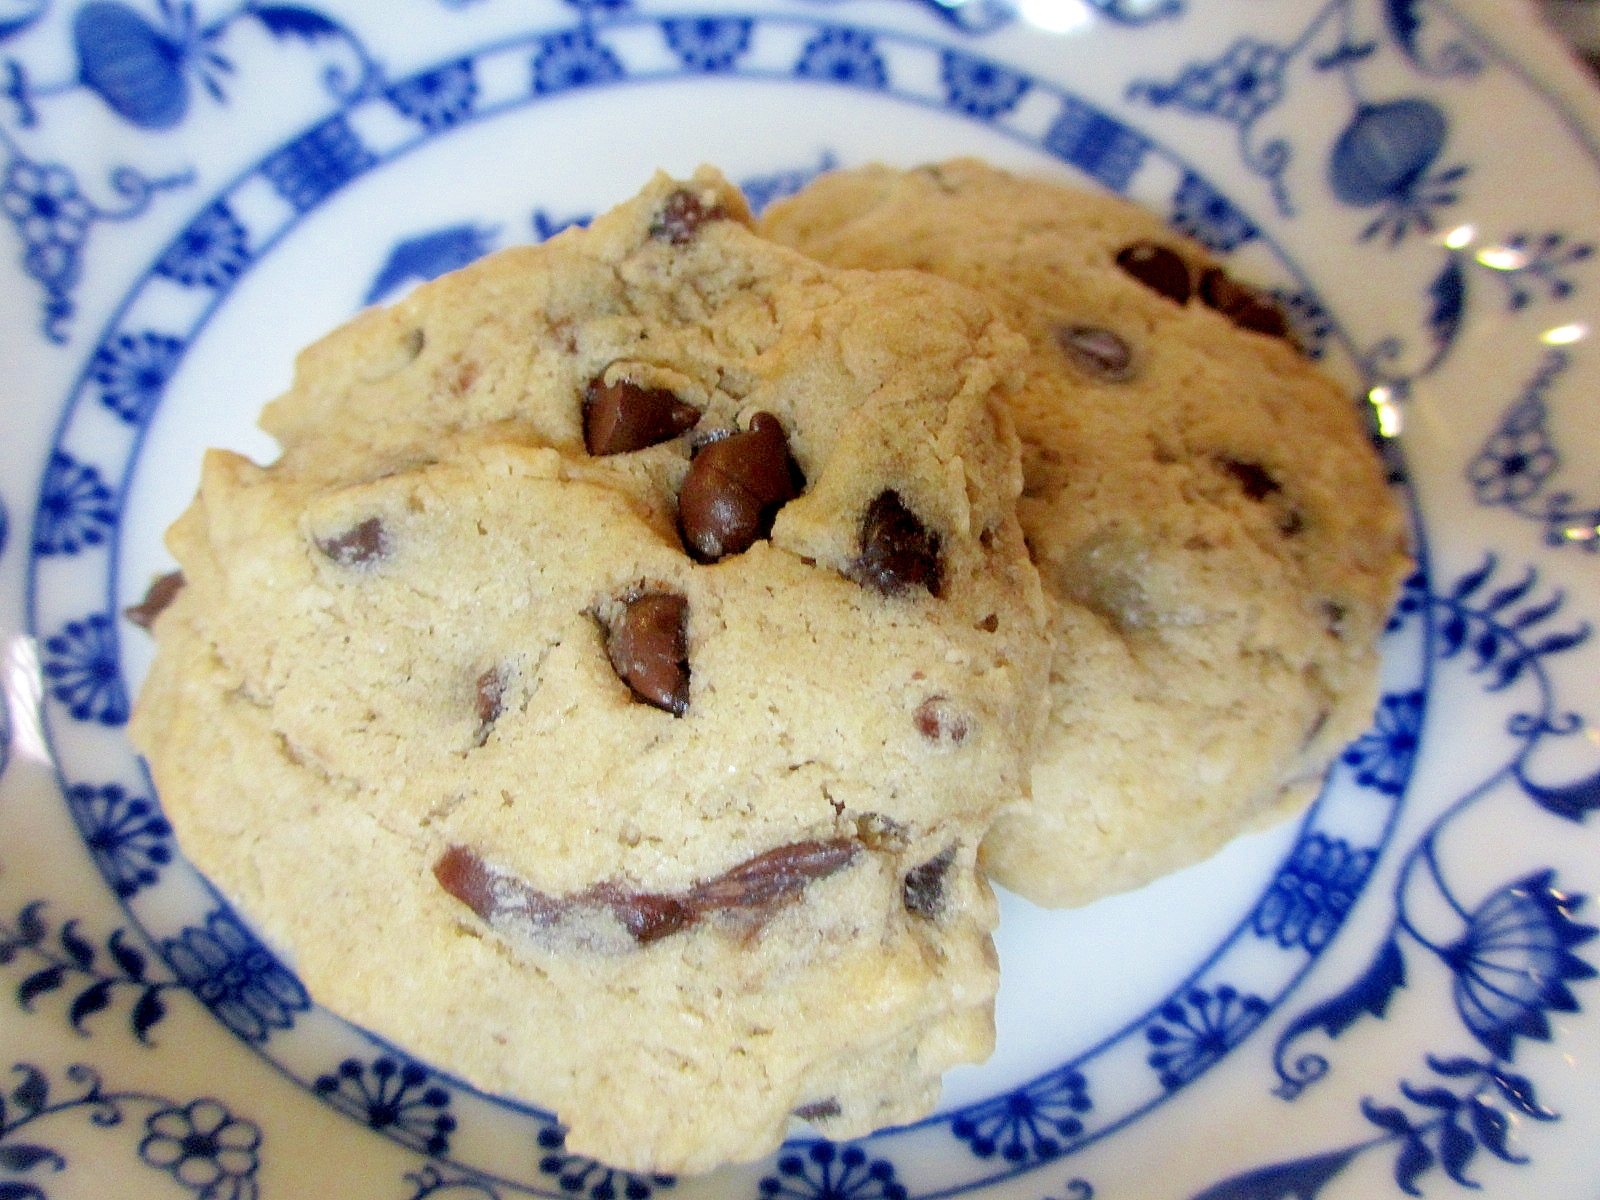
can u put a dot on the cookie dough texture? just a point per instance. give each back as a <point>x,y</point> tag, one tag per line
<point>392,646</point>
<point>1214,533</point>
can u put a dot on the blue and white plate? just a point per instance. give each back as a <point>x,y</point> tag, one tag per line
<point>1396,995</point>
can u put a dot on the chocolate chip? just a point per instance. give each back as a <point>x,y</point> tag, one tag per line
<point>648,916</point>
<point>162,592</point>
<point>649,649</point>
<point>754,888</point>
<point>1161,270</point>
<point>923,889</point>
<point>355,547</point>
<point>681,216</point>
<point>621,417</point>
<point>1098,353</point>
<point>770,879</point>
<point>1245,306</point>
<point>491,690</point>
<point>818,1110</point>
<point>734,489</point>
<point>939,721</point>
<point>1292,523</point>
<point>1254,479</point>
<point>898,552</point>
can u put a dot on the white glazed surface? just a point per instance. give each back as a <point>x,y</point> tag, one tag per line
<point>1396,993</point>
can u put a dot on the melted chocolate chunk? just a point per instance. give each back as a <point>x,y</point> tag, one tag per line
<point>1098,353</point>
<point>898,552</point>
<point>1245,306</point>
<point>491,690</point>
<point>1253,479</point>
<point>681,216</point>
<point>923,889</point>
<point>162,592</point>
<point>818,1110</point>
<point>621,417</point>
<point>734,489</point>
<point>649,649</point>
<point>1163,271</point>
<point>939,721</point>
<point>756,887</point>
<point>365,543</point>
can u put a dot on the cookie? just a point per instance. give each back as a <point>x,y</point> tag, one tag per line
<point>605,693</point>
<point>1214,532</point>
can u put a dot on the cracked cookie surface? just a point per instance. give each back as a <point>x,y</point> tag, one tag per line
<point>1214,533</point>
<point>605,693</point>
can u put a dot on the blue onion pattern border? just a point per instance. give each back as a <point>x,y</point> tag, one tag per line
<point>132,365</point>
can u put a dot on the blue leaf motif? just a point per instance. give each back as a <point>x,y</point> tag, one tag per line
<point>1299,1179</point>
<point>1574,801</point>
<point>1448,294</point>
<point>1385,150</point>
<point>1413,1161</point>
<point>288,20</point>
<point>1367,996</point>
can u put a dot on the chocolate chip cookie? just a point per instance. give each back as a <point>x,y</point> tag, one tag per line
<point>605,693</point>
<point>1216,539</point>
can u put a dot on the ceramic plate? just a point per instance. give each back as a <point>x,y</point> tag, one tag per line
<point>1395,995</point>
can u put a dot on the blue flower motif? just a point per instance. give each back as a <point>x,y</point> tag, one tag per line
<point>1382,757</point>
<point>578,1175</point>
<point>827,1172</point>
<point>82,671</point>
<point>438,99</point>
<point>979,87</point>
<point>1209,217</point>
<point>1238,87</point>
<point>205,1148</point>
<point>131,370</point>
<point>1314,890</point>
<point>847,56</point>
<point>1515,960</point>
<point>128,837</point>
<point>573,59</point>
<point>76,507</point>
<point>1096,144</point>
<point>1529,265</point>
<point>236,977</point>
<point>708,43</point>
<point>212,252</point>
<point>318,163</point>
<point>1035,1123</point>
<point>1517,459</point>
<point>52,217</point>
<point>394,1098</point>
<point>1192,1034</point>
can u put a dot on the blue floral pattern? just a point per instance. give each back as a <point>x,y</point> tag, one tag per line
<point>76,508</point>
<point>129,838</point>
<point>393,1096</point>
<point>839,55</point>
<point>437,99</point>
<point>573,59</point>
<point>132,369</point>
<point>212,251</point>
<point>577,1175</point>
<point>979,87</point>
<point>82,671</point>
<point>824,1171</point>
<point>236,977</point>
<point>1033,1124</point>
<point>1395,168</point>
<point>1191,1034</point>
<point>708,43</point>
<point>206,1149</point>
<point>1313,892</point>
